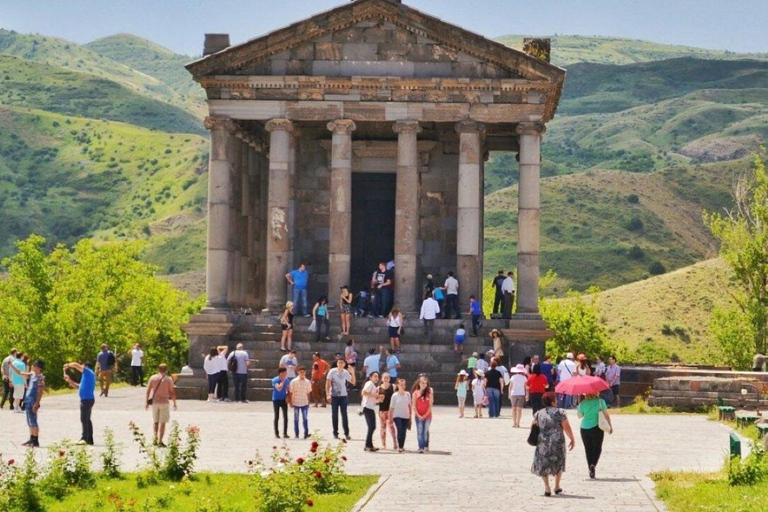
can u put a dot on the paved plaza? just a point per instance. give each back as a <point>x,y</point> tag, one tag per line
<point>473,461</point>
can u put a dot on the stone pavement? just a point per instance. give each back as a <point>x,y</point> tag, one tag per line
<point>472,460</point>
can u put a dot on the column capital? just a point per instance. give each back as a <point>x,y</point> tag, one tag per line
<point>469,126</point>
<point>342,126</point>
<point>279,125</point>
<point>220,123</point>
<point>407,126</point>
<point>531,128</point>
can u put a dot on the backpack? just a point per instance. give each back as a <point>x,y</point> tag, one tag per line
<point>232,364</point>
<point>110,359</point>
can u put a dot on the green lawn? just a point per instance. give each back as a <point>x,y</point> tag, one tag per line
<point>204,493</point>
<point>702,492</point>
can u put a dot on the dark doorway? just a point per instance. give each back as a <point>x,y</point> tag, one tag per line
<point>373,224</point>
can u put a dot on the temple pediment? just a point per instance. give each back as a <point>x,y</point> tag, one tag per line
<point>376,38</point>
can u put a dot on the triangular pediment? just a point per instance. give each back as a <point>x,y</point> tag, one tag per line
<point>376,38</point>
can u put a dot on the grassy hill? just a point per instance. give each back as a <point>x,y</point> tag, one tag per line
<point>666,317</point>
<point>614,50</point>
<point>609,228</point>
<point>156,61</point>
<point>47,87</point>
<point>68,177</point>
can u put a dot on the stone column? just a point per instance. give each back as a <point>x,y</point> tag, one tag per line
<point>235,156</point>
<point>407,214</point>
<point>340,249</point>
<point>217,274</point>
<point>469,215</point>
<point>528,218</point>
<point>278,236</point>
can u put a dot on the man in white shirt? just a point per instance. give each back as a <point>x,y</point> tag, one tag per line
<point>137,365</point>
<point>565,371</point>
<point>429,311</point>
<point>371,363</point>
<point>508,292</point>
<point>6,370</point>
<point>240,375</point>
<point>451,296</point>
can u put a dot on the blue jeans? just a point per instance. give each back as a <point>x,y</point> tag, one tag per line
<point>300,308</point>
<point>494,396</point>
<point>386,301</point>
<point>564,401</point>
<point>422,432</point>
<point>304,413</point>
<point>339,402</point>
<point>241,384</point>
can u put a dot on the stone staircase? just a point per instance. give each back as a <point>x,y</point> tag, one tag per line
<point>260,335</point>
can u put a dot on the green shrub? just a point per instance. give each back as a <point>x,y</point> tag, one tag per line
<point>634,224</point>
<point>750,471</point>
<point>633,199</point>
<point>657,268</point>
<point>68,468</point>
<point>636,253</point>
<point>110,457</point>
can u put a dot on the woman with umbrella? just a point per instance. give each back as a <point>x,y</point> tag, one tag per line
<point>589,411</point>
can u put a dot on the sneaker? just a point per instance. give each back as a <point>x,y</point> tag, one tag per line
<point>592,472</point>
<point>277,435</point>
<point>161,445</point>
<point>421,450</point>
<point>82,442</point>
<point>28,443</point>
<point>286,436</point>
<point>335,436</point>
<point>245,401</point>
<point>347,437</point>
<point>306,435</point>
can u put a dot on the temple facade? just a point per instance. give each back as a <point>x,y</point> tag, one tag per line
<point>358,136</point>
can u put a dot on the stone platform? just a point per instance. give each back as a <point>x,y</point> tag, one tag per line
<point>260,334</point>
<point>705,391</point>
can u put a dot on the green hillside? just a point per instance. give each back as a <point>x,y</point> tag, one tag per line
<point>614,50</point>
<point>46,87</point>
<point>155,61</point>
<point>609,228</point>
<point>74,57</point>
<point>68,177</point>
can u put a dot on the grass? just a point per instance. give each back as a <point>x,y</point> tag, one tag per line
<point>569,49</point>
<point>204,493</point>
<point>708,492</point>
<point>640,406</point>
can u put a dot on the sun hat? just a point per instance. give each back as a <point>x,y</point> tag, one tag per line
<point>429,276</point>
<point>518,369</point>
<point>463,372</point>
<point>474,354</point>
<point>582,357</point>
<point>569,355</point>
<point>490,353</point>
<point>480,373</point>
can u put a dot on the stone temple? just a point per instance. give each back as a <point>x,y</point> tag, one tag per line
<point>356,136</point>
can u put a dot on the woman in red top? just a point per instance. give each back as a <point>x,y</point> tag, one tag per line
<point>423,397</point>
<point>536,386</point>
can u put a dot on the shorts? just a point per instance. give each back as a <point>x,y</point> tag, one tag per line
<point>459,340</point>
<point>18,392</point>
<point>286,327</point>
<point>517,401</point>
<point>161,413</point>
<point>393,332</point>
<point>31,416</point>
<point>346,309</point>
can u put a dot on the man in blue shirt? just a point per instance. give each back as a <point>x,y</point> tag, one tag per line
<point>106,365</point>
<point>85,390</point>
<point>279,393</point>
<point>299,278</point>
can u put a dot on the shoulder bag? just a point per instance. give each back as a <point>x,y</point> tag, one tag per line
<point>154,390</point>
<point>602,421</point>
<point>533,435</point>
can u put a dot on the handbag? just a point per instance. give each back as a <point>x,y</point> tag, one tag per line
<point>313,326</point>
<point>602,422</point>
<point>533,435</point>
<point>154,390</point>
<point>486,400</point>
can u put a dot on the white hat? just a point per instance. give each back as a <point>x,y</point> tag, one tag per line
<point>518,369</point>
<point>463,372</point>
<point>570,355</point>
<point>480,373</point>
<point>490,353</point>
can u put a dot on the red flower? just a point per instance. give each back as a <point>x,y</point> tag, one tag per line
<point>11,462</point>
<point>318,474</point>
<point>344,457</point>
<point>314,444</point>
<point>300,461</point>
<point>326,460</point>
<point>310,503</point>
<point>62,453</point>
<point>313,449</point>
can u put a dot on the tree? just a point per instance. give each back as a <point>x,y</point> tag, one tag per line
<point>743,235</point>
<point>63,305</point>
<point>575,321</point>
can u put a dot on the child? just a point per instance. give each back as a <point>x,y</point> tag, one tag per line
<point>458,340</point>
<point>361,305</point>
<point>476,312</point>
<point>471,362</point>
<point>478,392</point>
<point>461,390</point>
<point>350,356</point>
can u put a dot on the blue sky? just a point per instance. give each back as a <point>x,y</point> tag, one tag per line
<point>736,25</point>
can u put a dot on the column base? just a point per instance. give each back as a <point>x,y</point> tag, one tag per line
<point>526,336</point>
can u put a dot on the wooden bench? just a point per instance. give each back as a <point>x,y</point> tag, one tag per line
<point>744,418</point>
